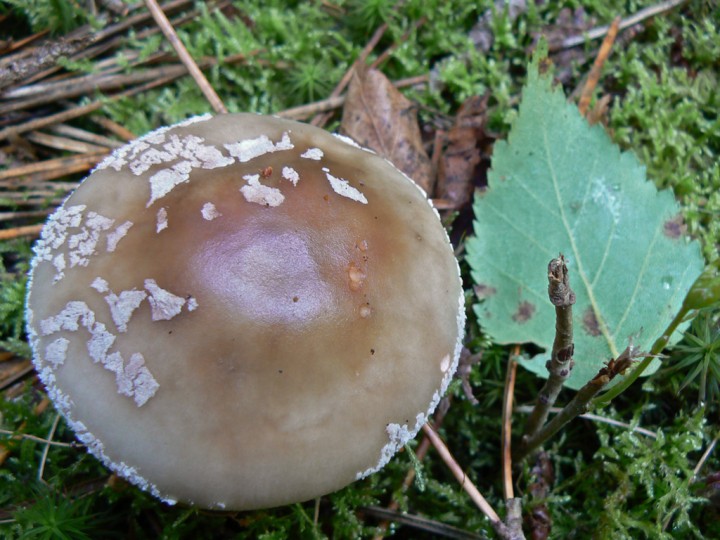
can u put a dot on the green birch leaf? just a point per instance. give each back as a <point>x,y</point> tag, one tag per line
<point>559,185</point>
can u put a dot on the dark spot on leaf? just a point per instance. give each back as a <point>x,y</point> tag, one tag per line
<point>675,227</point>
<point>372,351</point>
<point>483,291</point>
<point>544,65</point>
<point>524,312</point>
<point>590,322</point>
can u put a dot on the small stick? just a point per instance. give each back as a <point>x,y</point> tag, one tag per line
<point>19,232</point>
<point>508,395</point>
<point>46,450</point>
<point>704,458</point>
<point>561,360</point>
<point>600,31</point>
<point>87,136</point>
<point>11,216</point>
<point>36,439</point>
<point>114,128</point>
<point>462,478</point>
<point>303,111</point>
<point>411,81</point>
<point>185,57</point>
<point>596,70</point>
<point>15,45</point>
<point>321,119</point>
<point>597,418</point>
<point>61,164</point>
<point>76,112</point>
<point>84,85</point>
<point>63,143</point>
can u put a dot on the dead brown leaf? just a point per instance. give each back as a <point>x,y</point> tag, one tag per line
<point>459,163</point>
<point>379,117</point>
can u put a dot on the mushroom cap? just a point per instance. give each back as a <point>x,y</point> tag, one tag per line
<point>242,311</point>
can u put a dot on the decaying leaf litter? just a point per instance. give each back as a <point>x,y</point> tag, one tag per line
<point>453,154</point>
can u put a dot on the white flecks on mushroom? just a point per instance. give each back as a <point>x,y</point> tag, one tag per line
<point>56,351</point>
<point>59,264</point>
<point>313,153</point>
<point>113,238</point>
<point>163,182</point>
<point>55,231</point>
<point>81,233</point>
<point>100,285</point>
<point>72,315</point>
<point>192,153</point>
<point>192,304</point>
<point>288,173</point>
<point>123,305</point>
<point>82,245</point>
<point>342,187</point>
<point>164,305</point>
<point>133,380</point>
<point>100,342</point>
<point>162,220</point>
<point>209,212</point>
<point>251,148</point>
<point>255,192</point>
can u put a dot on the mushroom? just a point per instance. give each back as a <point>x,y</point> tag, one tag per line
<point>243,312</point>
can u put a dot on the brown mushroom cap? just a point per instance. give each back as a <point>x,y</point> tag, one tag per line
<point>242,311</point>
